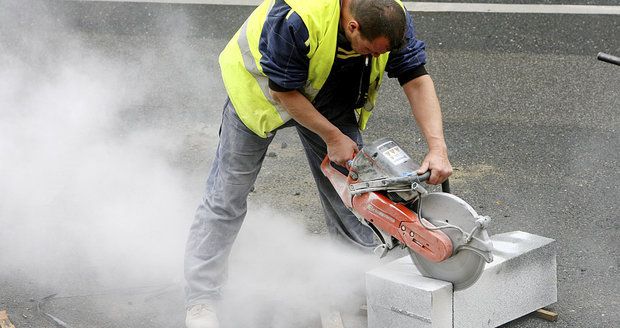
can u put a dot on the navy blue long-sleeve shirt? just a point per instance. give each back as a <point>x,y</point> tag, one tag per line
<point>285,62</point>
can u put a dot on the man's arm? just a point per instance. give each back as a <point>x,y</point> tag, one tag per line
<point>340,148</point>
<point>425,107</point>
<point>285,62</point>
<point>407,64</point>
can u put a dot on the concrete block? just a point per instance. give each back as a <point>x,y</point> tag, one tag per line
<point>521,279</point>
<point>398,296</point>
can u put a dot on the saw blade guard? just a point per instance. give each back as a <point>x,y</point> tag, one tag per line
<point>472,247</point>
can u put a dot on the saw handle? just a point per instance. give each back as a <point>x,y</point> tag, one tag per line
<point>445,186</point>
<point>424,176</point>
<point>420,178</point>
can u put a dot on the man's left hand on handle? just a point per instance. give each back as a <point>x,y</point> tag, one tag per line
<point>436,160</point>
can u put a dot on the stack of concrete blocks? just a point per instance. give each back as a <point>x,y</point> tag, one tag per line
<point>521,279</point>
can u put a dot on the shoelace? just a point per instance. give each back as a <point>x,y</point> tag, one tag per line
<point>202,307</point>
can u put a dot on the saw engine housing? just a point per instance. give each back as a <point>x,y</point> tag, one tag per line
<point>384,191</point>
<point>383,160</point>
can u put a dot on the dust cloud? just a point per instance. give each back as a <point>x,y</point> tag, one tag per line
<point>96,184</point>
<point>281,276</point>
<point>83,196</point>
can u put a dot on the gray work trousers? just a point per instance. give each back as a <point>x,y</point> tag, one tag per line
<point>218,218</point>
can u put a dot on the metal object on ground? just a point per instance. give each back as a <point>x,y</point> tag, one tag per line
<point>608,58</point>
<point>56,321</point>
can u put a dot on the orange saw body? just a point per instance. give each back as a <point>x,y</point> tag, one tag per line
<point>445,237</point>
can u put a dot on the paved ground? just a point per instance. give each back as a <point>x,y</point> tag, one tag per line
<point>109,119</point>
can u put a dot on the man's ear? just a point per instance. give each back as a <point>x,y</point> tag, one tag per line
<point>353,26</point>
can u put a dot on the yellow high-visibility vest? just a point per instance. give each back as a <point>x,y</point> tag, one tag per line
<point>247,85</point>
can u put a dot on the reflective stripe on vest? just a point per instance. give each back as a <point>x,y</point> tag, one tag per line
<point>255,69</point>
<point>247,85</point>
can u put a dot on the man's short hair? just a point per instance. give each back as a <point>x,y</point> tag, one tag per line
<point>378,18</point>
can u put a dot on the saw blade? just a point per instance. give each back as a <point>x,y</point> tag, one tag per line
<point>465,266</point>
<point>462,269</point>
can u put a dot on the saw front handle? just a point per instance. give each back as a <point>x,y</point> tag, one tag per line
<point>445,186</point>
<point>392,218</point>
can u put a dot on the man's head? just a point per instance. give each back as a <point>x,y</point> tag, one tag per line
<point>374,26</point>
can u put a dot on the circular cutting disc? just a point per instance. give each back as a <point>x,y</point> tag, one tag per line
<point>465,266</point>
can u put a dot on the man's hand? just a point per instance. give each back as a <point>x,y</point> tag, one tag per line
<point>437,162</point>
<point>341,149</point>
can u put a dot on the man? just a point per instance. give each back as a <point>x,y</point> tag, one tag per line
<point>315,65</point>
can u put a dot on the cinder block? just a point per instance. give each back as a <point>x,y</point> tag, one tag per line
<point>521,279</point>
<point>399,297</point>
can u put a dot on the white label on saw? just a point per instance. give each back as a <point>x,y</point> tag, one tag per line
<point>396,155</point>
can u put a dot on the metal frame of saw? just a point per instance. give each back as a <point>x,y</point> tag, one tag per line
<point>393,218</point>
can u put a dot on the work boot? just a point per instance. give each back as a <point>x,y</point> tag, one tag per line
<point>202,316</point>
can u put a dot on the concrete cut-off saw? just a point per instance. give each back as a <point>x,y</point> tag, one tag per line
<point>446,238</point>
